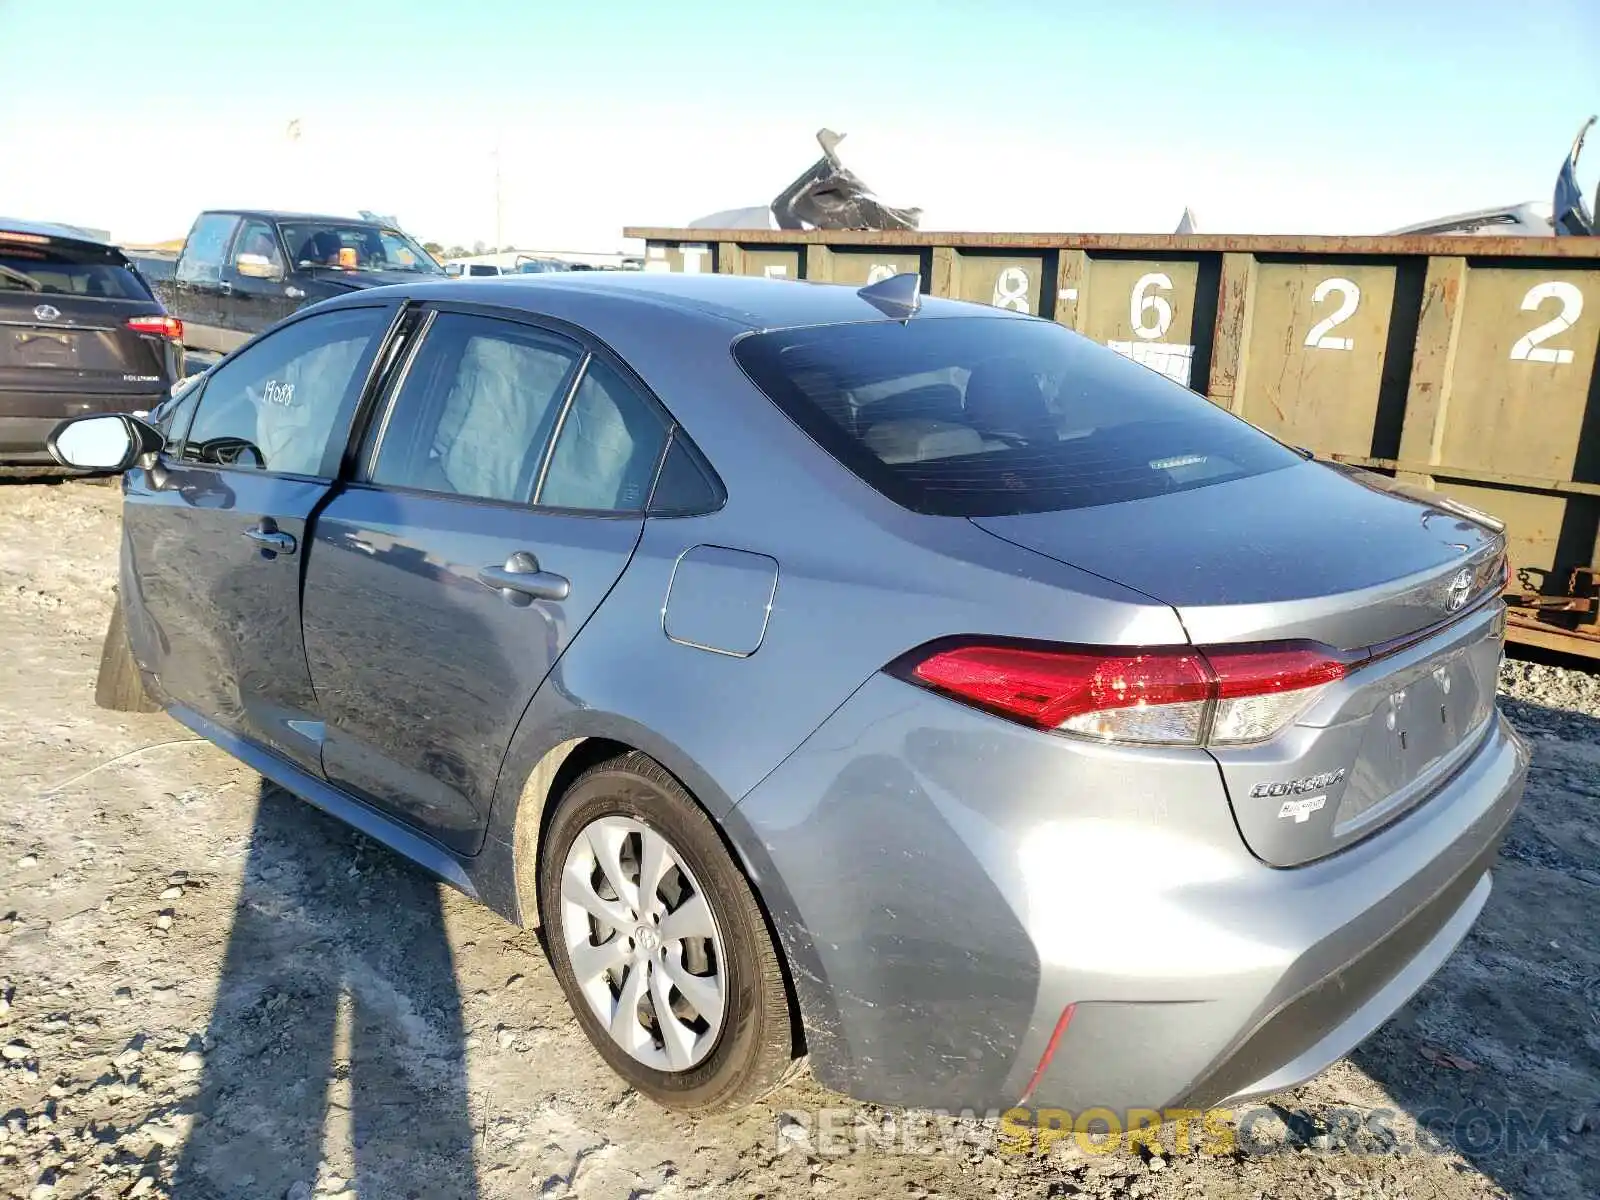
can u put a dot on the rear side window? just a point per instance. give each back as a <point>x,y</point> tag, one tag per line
<point>476,409</point>
<point>63,271</point>
<point>982,416</point>
<point>205,248</point>
<point>685,486</point>
<point>607,449</point>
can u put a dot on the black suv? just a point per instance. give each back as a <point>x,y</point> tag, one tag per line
<point>80,332</point>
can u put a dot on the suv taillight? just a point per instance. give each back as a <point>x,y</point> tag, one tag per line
<point>1177,696</point>
<point>160,326</point>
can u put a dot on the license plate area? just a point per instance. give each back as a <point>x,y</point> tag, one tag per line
<point>40,348</point>
<point>1430,714</point>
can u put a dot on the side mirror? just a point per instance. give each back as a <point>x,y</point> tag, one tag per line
<point>257,266</point>
<point>103,442</point>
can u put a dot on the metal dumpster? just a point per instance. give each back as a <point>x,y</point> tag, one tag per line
<point>1464,364</point>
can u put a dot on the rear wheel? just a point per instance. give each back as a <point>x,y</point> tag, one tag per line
<point>659,943</point>
<point>120,686</point>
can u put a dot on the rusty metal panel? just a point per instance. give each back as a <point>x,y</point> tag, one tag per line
<point>772,263</point>
<point>1310,245</point>
<point>687,257</point>
<point>1144,309</point>
<point>1533,521</point>
<point>1524,369</point>
<point>1009,281</point>
<point>1316,351</point>
<point>861,267</point>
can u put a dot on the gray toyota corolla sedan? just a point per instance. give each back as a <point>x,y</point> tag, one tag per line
<point>915,686</point>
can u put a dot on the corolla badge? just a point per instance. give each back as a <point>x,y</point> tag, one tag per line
<point>46,312</point>
<point>1459,590</point>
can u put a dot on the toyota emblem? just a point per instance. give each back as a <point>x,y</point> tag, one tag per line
<point>1460,589</point>
<point>46,312</point>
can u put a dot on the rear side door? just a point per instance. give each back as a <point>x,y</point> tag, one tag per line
<point>197,283</point>
<point>256,292</point>
<point>501,493</point>
<point>215,533</point>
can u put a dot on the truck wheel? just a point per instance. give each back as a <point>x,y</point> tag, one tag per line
<point>659,943</point>
<point>119,686</point>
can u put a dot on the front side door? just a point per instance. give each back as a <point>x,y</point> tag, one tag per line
<point>501,494</point>
<point>214,535</point>
<point>257,294</point>
<point>197,284</point>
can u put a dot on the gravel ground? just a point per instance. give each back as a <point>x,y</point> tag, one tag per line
<point>208,989</point>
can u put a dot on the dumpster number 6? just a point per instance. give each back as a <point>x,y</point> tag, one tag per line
<point>1527,347</point>
<point>1318,338</point>
<point>1145,300</point>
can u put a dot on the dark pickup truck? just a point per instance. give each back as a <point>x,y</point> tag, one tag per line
<point>242,270</point>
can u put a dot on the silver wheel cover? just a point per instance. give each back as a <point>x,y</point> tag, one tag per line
<point>643,943</point>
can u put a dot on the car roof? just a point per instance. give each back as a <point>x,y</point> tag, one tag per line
<point>752,302</point>
<point>50,229</point>
<point>273,214</point>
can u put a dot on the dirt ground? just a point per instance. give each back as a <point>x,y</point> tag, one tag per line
<point>209,989</point>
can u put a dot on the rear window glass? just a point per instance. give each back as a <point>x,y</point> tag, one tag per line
<point>975,416</point>
<point>56,274</point>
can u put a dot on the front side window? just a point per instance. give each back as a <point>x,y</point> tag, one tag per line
<point>284,403</point>
<point>985,416</point>
<point>606,453</point>
<point>353,246</point>
<point>476,409</point>
<point>256,253</point>
<point>205,248</point>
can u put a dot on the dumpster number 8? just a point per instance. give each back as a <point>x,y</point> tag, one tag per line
<point>1011,289</point>
<point>1527,347</point>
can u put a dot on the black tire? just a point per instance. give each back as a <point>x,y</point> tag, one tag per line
<point>755,1051</point>
<point>119,685</point>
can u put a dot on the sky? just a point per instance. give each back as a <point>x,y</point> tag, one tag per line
<point>1263,116</point>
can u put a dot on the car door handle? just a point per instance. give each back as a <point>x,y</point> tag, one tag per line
<point>225,288</point>
<point>271,539</point>
<point>521,579</point>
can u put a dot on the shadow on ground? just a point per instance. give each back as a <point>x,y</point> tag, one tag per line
<point>335,1045</point>
<point>1516,1010</point>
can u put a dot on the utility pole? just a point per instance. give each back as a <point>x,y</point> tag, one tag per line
<point>499,205</point>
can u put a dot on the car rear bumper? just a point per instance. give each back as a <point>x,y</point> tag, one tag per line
<point>28,418</point>
<point>947,885</point>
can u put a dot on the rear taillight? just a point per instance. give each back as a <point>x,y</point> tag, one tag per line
<point>158,326</point>
<point>1180,696</point>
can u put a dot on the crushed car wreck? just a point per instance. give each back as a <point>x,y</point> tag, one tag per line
<point>1566,215</point>
<point>828,195</point>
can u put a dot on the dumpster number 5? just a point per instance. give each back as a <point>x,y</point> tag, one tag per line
<point>1318,338</point>
<point>1527,348</point>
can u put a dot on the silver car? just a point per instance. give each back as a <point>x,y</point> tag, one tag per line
<point>910,685</point>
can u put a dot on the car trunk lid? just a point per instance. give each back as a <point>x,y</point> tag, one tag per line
<point>64,313</point>
<point>79,345</point>
<point>1403,586</point>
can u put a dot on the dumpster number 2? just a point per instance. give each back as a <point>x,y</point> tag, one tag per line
<point>1527,347</point>
<point>1318,338</point>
